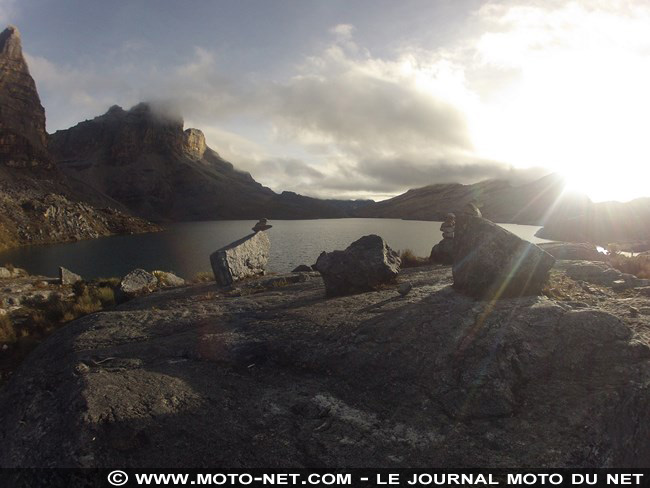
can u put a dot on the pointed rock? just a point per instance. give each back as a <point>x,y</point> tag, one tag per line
<point>23,139</point>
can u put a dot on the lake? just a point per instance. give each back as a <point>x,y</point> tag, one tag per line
<point>185,248</point>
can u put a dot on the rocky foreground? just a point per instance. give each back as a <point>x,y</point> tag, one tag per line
<point>273,374</point>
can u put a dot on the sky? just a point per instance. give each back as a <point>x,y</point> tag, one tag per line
<point>366,98</point>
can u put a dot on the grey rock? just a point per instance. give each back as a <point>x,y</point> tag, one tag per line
<point>5,273</point>
<point>241,259</point>
<point>599,273</point>
<point>138,282</point>
<point>67,277</point>
<point>443,252</point>
<point>491,262</point>
<point>303,268</point>
<point>167,279</point>
<point>364,265</point>
<point>440,381</point>
<point>644,291</point>
<point>574,251</point>
<point>404,288</point>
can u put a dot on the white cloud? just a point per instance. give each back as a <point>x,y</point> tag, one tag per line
<point>535,83</point>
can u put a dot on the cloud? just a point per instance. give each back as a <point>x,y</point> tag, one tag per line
<point>528,84</point>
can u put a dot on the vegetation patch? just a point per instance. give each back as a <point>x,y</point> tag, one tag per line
<point>410,260</point>
<point>203,277</point>
<point>39,317</point>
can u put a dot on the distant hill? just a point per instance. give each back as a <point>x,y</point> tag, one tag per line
<point>500,201</point>
<point>147,162</point>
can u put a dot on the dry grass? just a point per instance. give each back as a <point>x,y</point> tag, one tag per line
<point>7,331</point>
<point>638,266</point>
<point>203,277</point>
<point>410,260</point>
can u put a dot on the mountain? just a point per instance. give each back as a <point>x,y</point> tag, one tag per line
<point>23,140</point>
<point>500,201</point>
<point>143,158</point>
<point>37,204</point>
<point>604,223</point>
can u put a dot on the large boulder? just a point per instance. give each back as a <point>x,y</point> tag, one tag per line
<point>67,277</point>
<point>364,265</point>
<point>138,282</point>
<point>243,258</point>
<point>491,262</point>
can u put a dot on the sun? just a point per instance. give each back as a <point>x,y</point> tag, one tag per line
<point>577,103</point>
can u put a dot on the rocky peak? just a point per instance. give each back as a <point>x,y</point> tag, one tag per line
<point>10,45</point>
<point>195,143</point>
<point>23,138</point>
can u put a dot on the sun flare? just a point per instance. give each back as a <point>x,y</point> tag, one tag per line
<point>576,102</point>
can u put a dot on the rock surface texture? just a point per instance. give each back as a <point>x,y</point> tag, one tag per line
<point>138,282</point>
<point>491,262</point>
<point>364,265</point>
<point>241,259</point>
<point>288,378</point>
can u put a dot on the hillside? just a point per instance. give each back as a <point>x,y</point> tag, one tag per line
<point>500,201</point>
<point>37,204</point>
<point>146,161</point>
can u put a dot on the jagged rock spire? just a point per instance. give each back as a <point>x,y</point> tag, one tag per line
<point>23,139</point>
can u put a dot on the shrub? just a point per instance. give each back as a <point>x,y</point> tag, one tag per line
<point>410,260</point>
<point>80,288</point>
<point>105,295</point>
<point>203,277</point>
<point>7,331</point>
<point>10,267</point>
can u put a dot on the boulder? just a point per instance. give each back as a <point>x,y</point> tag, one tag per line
<point>600,273</point>
<point>138,282</point>
<point>404,288</point>
<point>67,277</point>
<point>167,279</point>
<point>363,266</point>
<point>572,250</point>
<point>303,268</point>
<point>491,262</point>
<point>5,273</point>
<point>243,258</point>
<point>443,252</point>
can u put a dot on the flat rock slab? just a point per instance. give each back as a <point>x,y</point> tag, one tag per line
<point>241,259</point>
<point>491,262</point>
<point>288,378</point>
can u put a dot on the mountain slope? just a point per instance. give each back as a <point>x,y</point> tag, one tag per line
<point>145,160</point>
<point>37,204</point>
<point>532,203</point>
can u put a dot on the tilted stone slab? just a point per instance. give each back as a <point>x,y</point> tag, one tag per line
<point>240,259</point>
<point>491,262</point>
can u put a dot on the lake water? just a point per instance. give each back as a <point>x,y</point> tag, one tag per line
<point>185,248</point>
